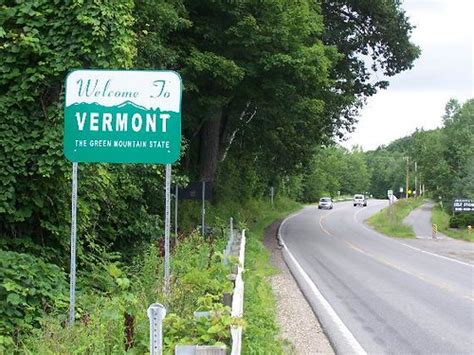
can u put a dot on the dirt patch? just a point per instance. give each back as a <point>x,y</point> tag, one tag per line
<point>299,327</point>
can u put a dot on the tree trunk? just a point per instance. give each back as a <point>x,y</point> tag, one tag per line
<point>209,152</point>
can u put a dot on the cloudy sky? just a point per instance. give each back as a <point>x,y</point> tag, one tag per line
<point>416,98</point>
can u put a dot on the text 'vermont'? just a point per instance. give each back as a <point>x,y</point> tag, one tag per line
<point>121,122</point>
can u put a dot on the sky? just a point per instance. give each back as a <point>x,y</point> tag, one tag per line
<point>416,98</point>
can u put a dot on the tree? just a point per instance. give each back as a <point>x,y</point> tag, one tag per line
<point>458,142</point>
<point>244,65</point>
<point>444,157</point>
<point>367,31</point>
<point>335,169</point>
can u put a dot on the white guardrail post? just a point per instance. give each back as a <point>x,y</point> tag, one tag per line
<point>238,300</point>
<point>156,313</point>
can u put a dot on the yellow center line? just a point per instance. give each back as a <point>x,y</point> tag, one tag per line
<point>321,222</point>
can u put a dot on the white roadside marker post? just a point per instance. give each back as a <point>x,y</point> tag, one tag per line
<point>156,313</point>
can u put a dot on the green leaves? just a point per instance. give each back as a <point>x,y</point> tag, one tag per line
<point>213,329</point>
<point>14,299</point>
<point>29,289</point>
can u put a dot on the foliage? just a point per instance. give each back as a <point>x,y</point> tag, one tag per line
<point>387,172</point>
<point>444,222</point>
<point>461,220</point>
<point>41,42</point>
<point>205,330</point>
<point>334,170</point>
<point>389,221</point>
<point>369,33</point>
<point>444,157</point>
<point>244,64</point>
<point>99,330</point>
<point>458,141</point>
<point>30,288</point>
<point>198,281</point>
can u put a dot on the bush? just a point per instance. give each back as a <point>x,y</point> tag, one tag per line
<point>30,288</point>
<point>461,220</point>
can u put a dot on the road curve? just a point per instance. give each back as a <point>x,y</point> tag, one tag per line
<point>391,297</point>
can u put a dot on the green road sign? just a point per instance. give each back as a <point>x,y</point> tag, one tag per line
<point>122,116</point>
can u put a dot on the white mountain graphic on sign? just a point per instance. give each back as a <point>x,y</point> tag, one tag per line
<point>123,104</point>
<point>130,103</point>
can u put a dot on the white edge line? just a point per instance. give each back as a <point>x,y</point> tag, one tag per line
<point>437,255</point>
<point>346,333</point>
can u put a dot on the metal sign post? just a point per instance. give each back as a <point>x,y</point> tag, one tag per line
<point>271,194</point>
<point>176,213</point>
<point>407,177</point>
<point>416,191</point>
<point>203,206</point>
<point>167,229</point>
<point>72,277</point>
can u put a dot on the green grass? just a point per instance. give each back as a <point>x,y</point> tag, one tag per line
<point>389,221</point>
<point>441,218</point>
<point>262,331</point>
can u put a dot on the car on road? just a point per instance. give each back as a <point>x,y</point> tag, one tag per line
<point>359,200</point>
<point>325,202</point>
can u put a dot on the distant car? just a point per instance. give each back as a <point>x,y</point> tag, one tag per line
<point>359,200</point>
<point>325,202</point>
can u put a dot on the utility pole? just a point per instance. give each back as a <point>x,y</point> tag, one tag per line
<point>408,177</point>
<point>416,186</point>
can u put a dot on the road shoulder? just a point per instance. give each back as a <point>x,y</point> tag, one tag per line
<point>420,220</point>
<point>298,324</point>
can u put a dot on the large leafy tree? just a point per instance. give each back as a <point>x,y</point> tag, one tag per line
<point>253,65</point>
<point>279,77</point>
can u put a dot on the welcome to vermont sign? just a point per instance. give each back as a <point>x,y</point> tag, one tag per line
<point>121,116</point>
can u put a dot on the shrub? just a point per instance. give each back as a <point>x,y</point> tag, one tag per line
<point>30,288</point>
<point>461,220</point>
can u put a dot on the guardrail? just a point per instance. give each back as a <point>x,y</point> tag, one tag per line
<point>238,299</point>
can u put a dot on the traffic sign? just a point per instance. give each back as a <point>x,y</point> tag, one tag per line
<point>389,193</point>
<point>122,116</point>
<point>463,205</point>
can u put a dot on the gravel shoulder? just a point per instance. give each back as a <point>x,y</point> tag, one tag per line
<point>299,327</point>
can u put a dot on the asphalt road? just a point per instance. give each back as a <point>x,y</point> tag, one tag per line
<point>420,221</point>
<point>392,297</point>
